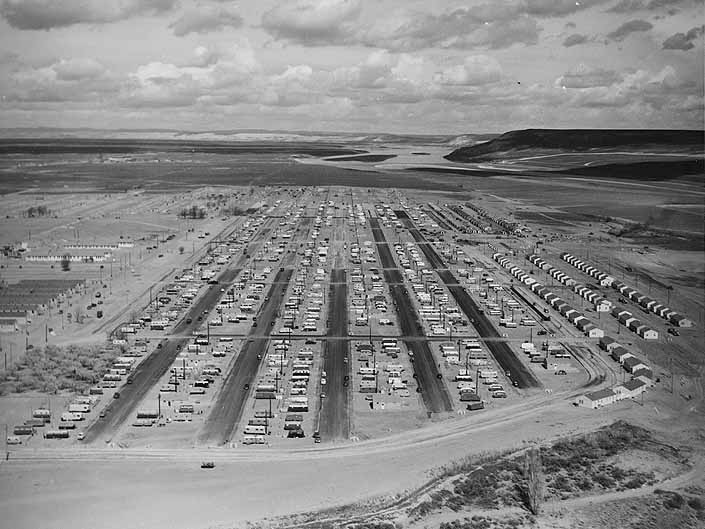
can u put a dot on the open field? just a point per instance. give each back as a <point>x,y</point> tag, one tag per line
<point>331,336</point>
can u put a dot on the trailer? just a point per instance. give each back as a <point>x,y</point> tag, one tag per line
<point>56,434</point>
<point>255,430</point>
<point>23,430</point>
<point>253,439</point>
<point>42,413</point>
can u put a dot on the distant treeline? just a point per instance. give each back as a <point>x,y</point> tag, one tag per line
<point>194,212</point>
<point>37,211</point>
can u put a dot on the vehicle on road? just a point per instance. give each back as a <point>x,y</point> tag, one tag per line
<point>116,395</point>
<point>673,331</point>
<point>207,464</point>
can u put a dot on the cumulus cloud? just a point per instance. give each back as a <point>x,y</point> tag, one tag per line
<point>492,26</point>
<point>77,69</point>
<point>585,77</point>
<point>683,41</point>
<point>74,79</point>
<point>475,70</point>
<point>312,22</point>
<point>497,35</point>
<point>48,14</point>
<point>574,40</point>
<point>205,19</point>
<point>640,87</point>
<point>497,24</point>
<point>626,29</point>
<point>558,8</point>
<point>629,6</point>
<point>212,76</point>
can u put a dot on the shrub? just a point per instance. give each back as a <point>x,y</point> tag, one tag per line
<point>604,480</point>
<point>696,503</point>
<point>673,501</point>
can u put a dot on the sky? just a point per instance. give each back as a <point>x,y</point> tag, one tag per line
<point>399,66</point>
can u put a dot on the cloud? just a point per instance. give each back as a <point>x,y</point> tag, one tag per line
<point>75,79</point>
<point>498,35</point>
<point>205,19</point>
<point>48,14</point>
<point>574,40</point>
<point>558,8</point>
<point>639,88</point>
<point>78,69</point>
<point>229,76</point>
<point>475,70</point>
<point>203,56</point>
<point>683,41</point>
<point>312,22</point>
<point>629,6</point>
<point>495,25</point>
<point>586,77</point>
<point>626,29</point>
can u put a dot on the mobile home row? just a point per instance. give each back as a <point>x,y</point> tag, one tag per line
<point>574,316</point>
<point>601,304</point>
<point>645,301</point>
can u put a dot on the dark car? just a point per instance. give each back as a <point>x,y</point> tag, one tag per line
<point>673,331</point>
<point>116,395</point>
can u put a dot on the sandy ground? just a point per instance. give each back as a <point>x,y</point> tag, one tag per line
<point>91,488</point>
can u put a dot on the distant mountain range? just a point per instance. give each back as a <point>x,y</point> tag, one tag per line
<point>245,135</point>
<point>518,142</point>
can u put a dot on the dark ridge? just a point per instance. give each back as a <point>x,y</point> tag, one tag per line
<point>130,146</point>
<point>369,158</point>
<point>576,140</point>
<point>638,171</point>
